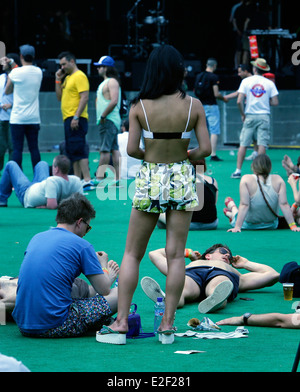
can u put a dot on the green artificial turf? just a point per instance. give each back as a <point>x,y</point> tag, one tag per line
<point>264,350</point>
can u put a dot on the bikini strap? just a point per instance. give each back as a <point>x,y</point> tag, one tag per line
<point>189,116</point>
<point>145,114</point>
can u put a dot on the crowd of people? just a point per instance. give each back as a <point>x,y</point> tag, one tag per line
<point>47,299</point>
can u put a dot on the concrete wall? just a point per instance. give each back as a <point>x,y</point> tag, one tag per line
<point>285,121</point>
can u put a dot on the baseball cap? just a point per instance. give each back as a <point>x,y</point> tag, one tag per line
<point>261,64</point>
<point>27,50</point>
<point>106,61</point>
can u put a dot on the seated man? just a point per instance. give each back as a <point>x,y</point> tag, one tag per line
<point>53,260</point>
<point>212,277</point>
<point>80,288</point>
<point>43,191</point>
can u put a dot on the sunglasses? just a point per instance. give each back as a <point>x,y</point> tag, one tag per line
<point>88,227</point>
<point>225,251</point>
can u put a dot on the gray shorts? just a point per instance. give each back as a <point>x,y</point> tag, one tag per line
<point>108,136</point>
<point>256,127</point>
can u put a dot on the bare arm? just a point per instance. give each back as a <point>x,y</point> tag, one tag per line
<point>266,320</point>
<point>217,93</point>
<point>241,106</point>
<point>51,204</point>
<point>243,207</point>
<point>134,137</point>
<point>259,275</point>
<point>158,258</point>
<point>274,101</point>
<point>284,205</point>
<point>9,89</point>
<point>113,91</point>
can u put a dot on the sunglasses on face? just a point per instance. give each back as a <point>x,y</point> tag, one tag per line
<point>88,227</point>
<point>225,251</point>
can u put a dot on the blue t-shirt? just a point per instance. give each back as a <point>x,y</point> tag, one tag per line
<point>53,259</point>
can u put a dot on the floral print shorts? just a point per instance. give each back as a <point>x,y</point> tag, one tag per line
<point>163,186</point>
<point>84,315</point>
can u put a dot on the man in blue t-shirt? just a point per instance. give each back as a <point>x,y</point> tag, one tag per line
<point>53,260</point>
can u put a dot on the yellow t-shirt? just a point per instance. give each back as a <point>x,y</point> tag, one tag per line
<point>72,86</point>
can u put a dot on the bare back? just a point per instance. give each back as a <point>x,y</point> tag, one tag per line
<point>168,114</point>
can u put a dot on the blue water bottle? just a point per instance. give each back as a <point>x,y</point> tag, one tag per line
<point>159,310</point>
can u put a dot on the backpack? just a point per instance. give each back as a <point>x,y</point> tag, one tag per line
<point>124,105</point>
<point>290,273</point>
<point>201,85</point>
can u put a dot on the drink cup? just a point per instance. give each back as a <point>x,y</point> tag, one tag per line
<point>288,291</point>
<point>296,176</point>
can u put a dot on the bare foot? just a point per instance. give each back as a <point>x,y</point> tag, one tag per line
<point>113,270</point>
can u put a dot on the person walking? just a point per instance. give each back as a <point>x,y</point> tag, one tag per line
<point>260,93</point>
<point>207,90</point>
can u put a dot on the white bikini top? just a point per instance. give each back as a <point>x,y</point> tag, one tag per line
<point>167,135</point>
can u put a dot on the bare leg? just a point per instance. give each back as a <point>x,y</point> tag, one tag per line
<point>214,142</point>
<point>178,223</point>
<point>104,161</point>
<point>116,157</point>
<point>241,157</point>
<point>140,228</point>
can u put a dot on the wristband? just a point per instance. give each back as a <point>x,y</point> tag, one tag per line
<point>103,118</point>
<point>188,153</point>
<point>57,81</point>
<point>105,270</point>
<point>75,118</point>
<point>188,253</point>
<point>295,205</point>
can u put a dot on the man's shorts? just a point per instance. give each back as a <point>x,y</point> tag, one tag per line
<point>256,126</point>
<point>212,113</point>
<point>75,139</point>
<point>108,136</point>
<point>163,186</point>
<point>202,275</point>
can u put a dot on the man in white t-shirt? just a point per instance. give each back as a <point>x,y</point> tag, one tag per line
<point>44,191</point>
<point>25,82</point>
<point>260,93</point>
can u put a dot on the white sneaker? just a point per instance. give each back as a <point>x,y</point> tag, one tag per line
<point>214,301</point>
<point>251,156</point>
<point>152,289</point>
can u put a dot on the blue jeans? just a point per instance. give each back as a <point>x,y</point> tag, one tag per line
<point>212,113</point>
<point>18,133</point>
<point>13,177</point>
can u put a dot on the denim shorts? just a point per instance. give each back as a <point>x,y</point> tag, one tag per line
<point>256,127</point>
<point>212,113</point>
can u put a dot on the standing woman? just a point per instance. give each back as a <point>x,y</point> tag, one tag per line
<point>165,115</point>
